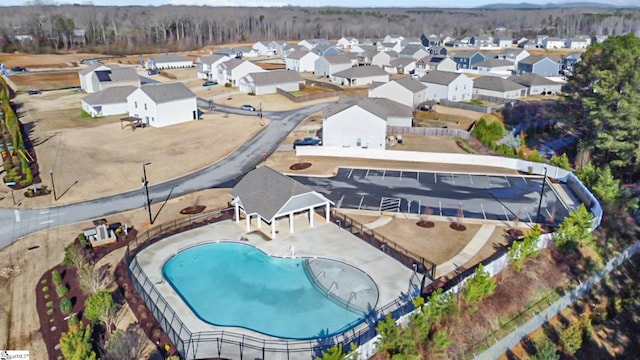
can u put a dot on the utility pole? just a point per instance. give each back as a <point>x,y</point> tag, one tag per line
<point>53,186</point>
<point>145,186</point>
<point>544,181</point>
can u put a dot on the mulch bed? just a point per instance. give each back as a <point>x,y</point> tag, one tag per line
<point>426,224</point>
<point>192,210</point>
<point>300,166</point>
<point>457,227</point>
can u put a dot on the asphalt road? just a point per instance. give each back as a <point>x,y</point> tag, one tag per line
<point>493,197</point>
<point>17,223</point>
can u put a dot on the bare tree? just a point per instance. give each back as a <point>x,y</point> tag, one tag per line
<point>125,345</point>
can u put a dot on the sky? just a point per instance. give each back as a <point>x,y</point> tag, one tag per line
<point>314,3</point>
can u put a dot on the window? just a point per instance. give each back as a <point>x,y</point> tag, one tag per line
<point>145,106</point>
<point>135,104</point>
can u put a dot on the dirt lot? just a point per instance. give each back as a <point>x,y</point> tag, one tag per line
<point>272,102</point>
<point>428,143</point>
<point>42,61</point>
<point>46,81</point>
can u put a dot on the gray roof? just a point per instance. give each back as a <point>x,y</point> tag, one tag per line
<point>534,59</point>
<point>529,79</point>
<point>232,63</point>
<point>494,63</point>
<point>380,107</point>
<point>410,49</point>
<point>495,83</point>
<point>403,61</point>
<point>117,74</point>
<point>210,59</point>
<point>361,71</point>
<point>298,54</point>
<point>506,52</point>
<point>264,191</point>
<point>465,53</point>
<point>389,44</point>
<point>275,77</point>
<point>410,84</point>
<point>165,58</point>
<point>337,59</point>
<point>439,77</point>
<point>162,93</point>
<point>392,54</point>
<point>112,95</point>
<point>90,68</point>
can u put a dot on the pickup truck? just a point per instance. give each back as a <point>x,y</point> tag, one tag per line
<point>308,141</point>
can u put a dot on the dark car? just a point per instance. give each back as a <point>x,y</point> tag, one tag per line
<point>34,92</point>
<point>248,107</point>
<point>308,141</point>
<point>152,72</point>
<point>209,83</point>
<point>18,69</point>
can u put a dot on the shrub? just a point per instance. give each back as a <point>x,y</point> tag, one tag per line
<point>50,312</point>
<point>61,290</point>
<point>65,306</point>
<point>56,277</point>
<point>535,156</point>
<point>561,161</point>
<point>49,304</point>
<point>43,281</point>
<point>45,289</point>
<point>488,132</point>
<point>83,240</point>
<point>85,115</point>
<point>47,296</point>
<point>571,338</point>
<point>227,85</point>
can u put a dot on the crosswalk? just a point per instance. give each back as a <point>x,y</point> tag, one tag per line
<point>390,204</point>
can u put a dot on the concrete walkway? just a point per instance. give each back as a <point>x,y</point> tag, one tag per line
<point>381,221</point>
<point>479,240</point>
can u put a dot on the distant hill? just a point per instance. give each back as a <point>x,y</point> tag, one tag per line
<point>525,5</point>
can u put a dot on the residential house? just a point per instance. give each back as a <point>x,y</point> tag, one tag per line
<point>494,87</point>
<point>312,43</point>
<point>495,66</point>
<point>468,59</point>
<point>326,50</point>
<point>263,48</point>
<point>540,39</point>
<point>411,41</point>
<point>99,77</point>
<point>363,124</point>
<point>599,39</point>
<point>302,61</point>
<point>401,65</point>
<point>393,38</point>
<point>266,82</point>
<point>169,61</point>
<point>430,41</point>
<point>326,66</point>
<point>365,58</point>
<point>247,52</point>
<point>413,51</point>
<point>107,102</point>
<point>483,41</point>
<point>437,50</point>
<point>513,55</point>
<point>160,105</point>
<point>390,46</point>
<point>576,43</point>
<point>521,40</point>
<point>504,42</point>
<point>570,60</point>
<point>541,65</point>
<point>528,44</point>
<point>232,70</point>
<point>553,43</point>
<point>536,84</point>
<point>360,75</point>
<point>288,49</point>
<point>347,42</point>
<point>447,85</point>
<point>207,66</point>
<point>229,52</point>
<point>383,58</point>
<point>456,43</point>
<point>430,63</point>
<point>407,91</point>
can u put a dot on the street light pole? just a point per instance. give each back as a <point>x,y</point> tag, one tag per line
<point>53,186</point>
<point>145,185</point>
<point>544,181</point>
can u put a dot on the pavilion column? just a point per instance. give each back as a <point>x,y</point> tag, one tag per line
<point>327,212</point>
<point>236,213</point>
<point>273,228</point>
<point>290,223</point>
<point>311,213</point>
<point>248,217</point>
<point>259,222</point>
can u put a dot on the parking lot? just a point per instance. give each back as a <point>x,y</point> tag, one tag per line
<point>491,197</point>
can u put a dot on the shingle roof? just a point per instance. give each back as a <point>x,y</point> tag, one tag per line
<point>162,93</point>
<point>529,79</point>
<point>534,59</point>
<point>112,95</point>
<point>165,58</point>
<point>495,83</point>
<point>361,71</point>
<point>275,77</point>
<point>232,63</point>
<point>465,53</point>
<point>117,74</point>
<point>510,52</point>
<point>265,191</point>
<point>337,59</point>
<point>439,77</point>
<point>210,59</point>
<point>90,68</point>
<point>410,49</point>
<point>410,84</point>
<point>403,61</point>
<point>297,55</point>
<point>380,107</point>
<point>494,63</point>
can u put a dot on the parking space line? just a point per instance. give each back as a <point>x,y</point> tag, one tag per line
<point>483,213</point>
<point>361,200</point>
<point>453,179</point>
<point>409,206</point>
<point>400,178</point>
<point>440,204</point>
<point>529,216</point>
<point>505,212</point>
<point>435,177</point>
<point>367,174</point>
<point>548,213</point>
<point>418,176</point>
<point>339,204</point>
<point>419,206</point>
<point>471,179</point>
<point>507,181</point>
<point>525,180</point>
<point>350,172</point>
<point>384,172</point>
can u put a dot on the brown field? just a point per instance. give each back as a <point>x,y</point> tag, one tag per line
<point>270,66</point>
<point>39,61</point>
<point>46,81</point>
<point>310,90</point>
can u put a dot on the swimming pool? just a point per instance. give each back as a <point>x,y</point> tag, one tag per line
<point>233,284</point>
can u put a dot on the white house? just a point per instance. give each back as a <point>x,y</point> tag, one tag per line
<point>160,105</point>
<point>577,43</point>
<point>513,55</point>
<point>207,66</point>
<point>435,62</point>
<point>232,70</point>
<point>302,61</point>
<point>265,48</point>
<point>536,84</point>
<point>413,51</point>
<point>383,58</point>
<point>247,52</point>
<point>406,91</point>
<point>495,66</point>
<point>552,43</point>
<point>347,42</point>
<point>360,75</point>
<point>325,66</point>
<point>266,82</point>
<point>99,77</point>
<point>393,38</point>
<point>504,43</point>
<point>110,101</point>
<point>447,85</point>
<point>168,61</point>
<point>497,87</point>
<point>402,65</point>
<point>363,124</point>
<point>390,46</point>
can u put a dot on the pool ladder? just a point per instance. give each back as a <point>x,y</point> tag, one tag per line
<point>334,285</point>
<point>353,295</point>
<point>316,277</point>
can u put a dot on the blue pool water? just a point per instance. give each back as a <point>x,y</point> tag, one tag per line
<point>232,284</point>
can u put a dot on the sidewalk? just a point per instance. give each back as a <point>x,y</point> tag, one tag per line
<point>479,240</point>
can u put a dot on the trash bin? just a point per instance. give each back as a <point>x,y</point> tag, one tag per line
<point>399,139</point>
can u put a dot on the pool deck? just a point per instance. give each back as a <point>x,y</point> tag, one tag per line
<point>324,240</point>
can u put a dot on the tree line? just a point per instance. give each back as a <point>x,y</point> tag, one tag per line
<point>134,29</point>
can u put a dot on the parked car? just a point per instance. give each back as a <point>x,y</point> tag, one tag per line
<point>209,83</point>
<point>308,141</point>
<point>18,69</point>
<point>152,72</point>
<point>248,107</point>
<point>34,92</point>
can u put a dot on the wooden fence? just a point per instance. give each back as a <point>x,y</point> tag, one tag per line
<point>427,131</point>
